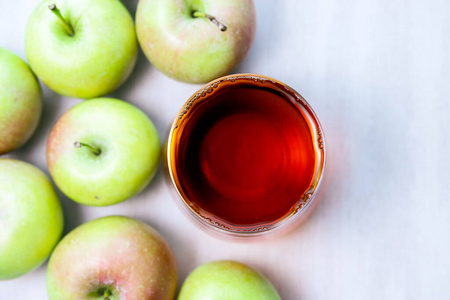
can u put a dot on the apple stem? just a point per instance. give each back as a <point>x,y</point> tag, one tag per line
<point>199,14</point>
<point>56,11</point>
<point>96,151</point>
<point>107,294</point>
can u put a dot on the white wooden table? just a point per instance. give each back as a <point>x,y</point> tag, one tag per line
<point>377,73</point>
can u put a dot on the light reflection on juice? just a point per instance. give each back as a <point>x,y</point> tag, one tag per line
<point>246,154</point>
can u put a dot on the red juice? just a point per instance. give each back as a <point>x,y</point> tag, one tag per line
<point>245,154</point>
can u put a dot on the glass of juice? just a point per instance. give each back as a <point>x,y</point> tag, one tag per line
<point>246,155</point>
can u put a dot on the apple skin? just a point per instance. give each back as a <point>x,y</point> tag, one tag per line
<point>115,253</point>
<point>130,152</point>
<point>31,218</point>
<point>194,49</point>
<point>95,60</point>
<point>226,280</point>
<point>20,102</point>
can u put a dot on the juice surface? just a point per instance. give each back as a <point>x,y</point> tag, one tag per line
<point>246,156</point>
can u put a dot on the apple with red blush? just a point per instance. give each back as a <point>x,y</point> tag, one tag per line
<point>103,151</point>
<point>195,40</point>
<point>113,258</point>
<point>20,102</point>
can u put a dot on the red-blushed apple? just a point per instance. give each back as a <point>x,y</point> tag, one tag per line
<point>20,102</point>
<point>81,48</point>
<point>227,280</point>
<point>115,258</point>
<point>31,218</point>
<point>103,151</point>
<point>195,40</point>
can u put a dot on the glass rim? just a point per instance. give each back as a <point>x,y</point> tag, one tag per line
<point>308,197</point>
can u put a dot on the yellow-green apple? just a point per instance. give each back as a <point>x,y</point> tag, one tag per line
<point>31,219</point>
<point>226,280</point>
<point>115,258</point>
<point>20,102</point>
<point>103,151</point>
<point>195,40</point>
<point>81,48</point>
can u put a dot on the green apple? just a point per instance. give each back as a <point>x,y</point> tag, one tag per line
<point>103,151</point>
<point>81,48</point>
<point>113,258</point>
<point>20,102</point>
<point>227,280</point>
<point>181,39</point>
<point>31,219</point>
